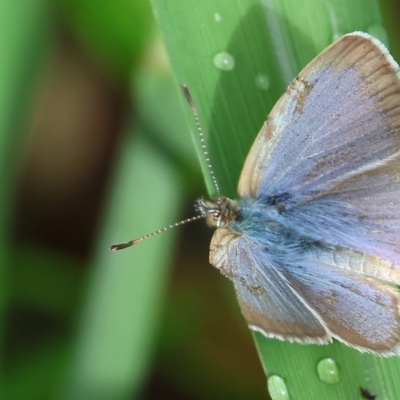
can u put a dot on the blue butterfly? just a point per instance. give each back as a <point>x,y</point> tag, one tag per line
<point>315,232</point>
<point>312,245</point>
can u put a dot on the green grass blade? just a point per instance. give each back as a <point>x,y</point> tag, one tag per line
<point>124,295</point>
<point>272,39</point>
<point>40,374</point>
<point>23,26</point>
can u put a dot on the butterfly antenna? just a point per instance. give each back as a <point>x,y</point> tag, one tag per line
<point>149,235</point>
<point>189,99</point>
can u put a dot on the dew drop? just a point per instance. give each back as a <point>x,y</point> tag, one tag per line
<point>262,81</point>
<point>217,17</point>
<point>328,371</point>
<point>378,31</point>
<point>224,61</point>
<point>277,388</point>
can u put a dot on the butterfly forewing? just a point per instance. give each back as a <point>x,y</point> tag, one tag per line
<point>360,212</point>
<point>340,114</point>
<point>331,149</point>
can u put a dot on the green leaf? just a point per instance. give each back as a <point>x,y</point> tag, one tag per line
<point>269,40</point>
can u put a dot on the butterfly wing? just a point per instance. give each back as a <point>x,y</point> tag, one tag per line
<point>330,149</point>
<point>309,300</point>
<point>267,301</point>
<point>359,311</point>
<point>340,114</point>
<point>360,212</point>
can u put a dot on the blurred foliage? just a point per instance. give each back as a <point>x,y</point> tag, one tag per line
<point>116,32</point>
<point>94,148</point>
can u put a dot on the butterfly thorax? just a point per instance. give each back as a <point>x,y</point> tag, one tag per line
<point>217,213</point>
<point>267,228</point>
<point>245,216</point>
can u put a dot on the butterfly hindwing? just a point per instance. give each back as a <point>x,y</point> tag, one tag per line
<point>308,298</point>
<point>268,303</point>
<point>359,311</point>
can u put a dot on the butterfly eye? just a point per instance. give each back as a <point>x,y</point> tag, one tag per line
<point>228,212</point>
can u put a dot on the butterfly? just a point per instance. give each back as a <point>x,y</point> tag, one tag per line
<point>312,244</point>
<point>315,231</point>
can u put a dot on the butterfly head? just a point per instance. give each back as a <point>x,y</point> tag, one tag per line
<point>219,212</point>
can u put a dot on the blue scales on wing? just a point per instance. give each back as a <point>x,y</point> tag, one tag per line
<point>329,154</point>
<point>299,290</point>
<point>268,303</point>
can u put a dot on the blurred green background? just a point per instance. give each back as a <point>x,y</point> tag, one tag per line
<point>95,149</point>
